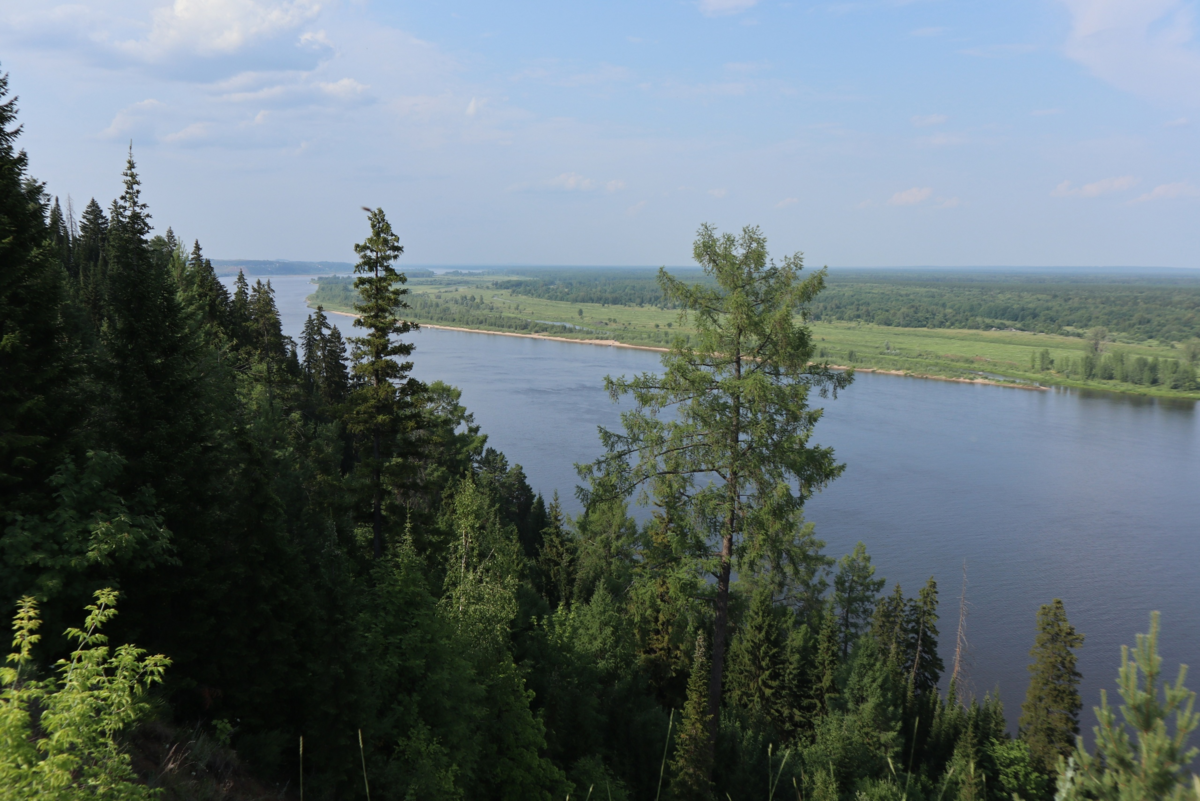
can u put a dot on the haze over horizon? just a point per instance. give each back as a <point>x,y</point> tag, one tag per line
<point>881,133</point>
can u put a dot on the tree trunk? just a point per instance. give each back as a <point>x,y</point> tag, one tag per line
<point>720,628</point>
<point>721,618</point>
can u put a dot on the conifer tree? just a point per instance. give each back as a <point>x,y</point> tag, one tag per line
<point>888,625</point>
<point>556,561</point>
<point>824,676</point>
<point>732,403</point>
<point>34,355</point>
<point>1050,715</point>
<point>691,765</point>
<point>924,666</point>
<point>334,358</point>
<point>756,664</point>
<point>384,386</point>
<point>854,592</point>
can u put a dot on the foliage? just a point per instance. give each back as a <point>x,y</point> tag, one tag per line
<point>1050,715</point>
<point>58,736</point>
<point>1138,757</point>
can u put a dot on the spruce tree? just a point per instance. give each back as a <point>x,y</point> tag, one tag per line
<point>384,385</point>
<point>924,666</point>
<point>691,765</point>
<point>854,592</point>
<point>756,662</point>
<point>1050,715</point>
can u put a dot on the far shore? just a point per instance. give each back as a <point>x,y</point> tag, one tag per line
<point>612,343</point>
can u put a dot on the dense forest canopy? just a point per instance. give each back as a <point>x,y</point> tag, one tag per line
<point>225,548</point>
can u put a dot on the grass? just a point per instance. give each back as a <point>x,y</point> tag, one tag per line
<point>999,356</point>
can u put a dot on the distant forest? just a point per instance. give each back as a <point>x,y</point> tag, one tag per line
<point>1163,307</point>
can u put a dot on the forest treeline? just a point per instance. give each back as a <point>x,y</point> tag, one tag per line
<point>297,551</point>
<point>1150,307</point>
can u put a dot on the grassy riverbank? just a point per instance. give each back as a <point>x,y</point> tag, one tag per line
<point>472,302</point>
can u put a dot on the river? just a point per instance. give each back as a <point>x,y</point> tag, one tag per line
<point>1089,497</point>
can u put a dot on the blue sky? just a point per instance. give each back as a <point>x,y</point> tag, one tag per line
<point>873,133</point>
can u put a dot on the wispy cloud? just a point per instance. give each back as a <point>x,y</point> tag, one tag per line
<point>1096,188</point>
<point>929,119</point>
<point>721,8</point>
<point>911,197</point>
<point>787,201</point>
<point>1179,123</point>
<point>1169,192</point>
<point>1147,47</point>
<point>718,192</point>
<point>219,26</point>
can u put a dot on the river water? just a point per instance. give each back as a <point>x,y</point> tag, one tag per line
<point>1089,497</point>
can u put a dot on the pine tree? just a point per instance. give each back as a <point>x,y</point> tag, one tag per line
<point>556,561</point>
<point>888,626</point>
<point>823,683</point>
<point>1138,757</point>
<point>1050,715</point>
<point>854,593</point>
<point>756,668</point>
<point>385,387</point>
<point>924,666</point>
<point>691,765</point>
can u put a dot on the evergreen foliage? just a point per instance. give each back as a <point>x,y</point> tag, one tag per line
<point>383,388</point>
<point>738,394</point>
<point>1050,714</point>
<point>1138,757</point>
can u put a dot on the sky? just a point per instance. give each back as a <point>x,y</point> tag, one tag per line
<point>861,132</point>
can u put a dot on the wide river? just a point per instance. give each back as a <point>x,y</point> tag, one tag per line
<point>1089,497</point>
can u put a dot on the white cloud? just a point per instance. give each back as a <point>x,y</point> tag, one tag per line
<point>615,185</point>
<point>720,8</point>
<point>213,27</point>
<point>472,107</point>
<point>929,119</point>
<point>1169,192</point>
<point>948,203</point>
<point>345,88</point>
<point>718,192</point>
<point>1146,47</point>
<point>1179,123</point>
<point>636,208</point>
<point>1095,189</point>
<point>911,197</point>
<point>787,201</point>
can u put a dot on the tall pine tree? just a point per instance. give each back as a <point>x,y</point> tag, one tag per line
<point>385,387</point>
<point>1050,715</point>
